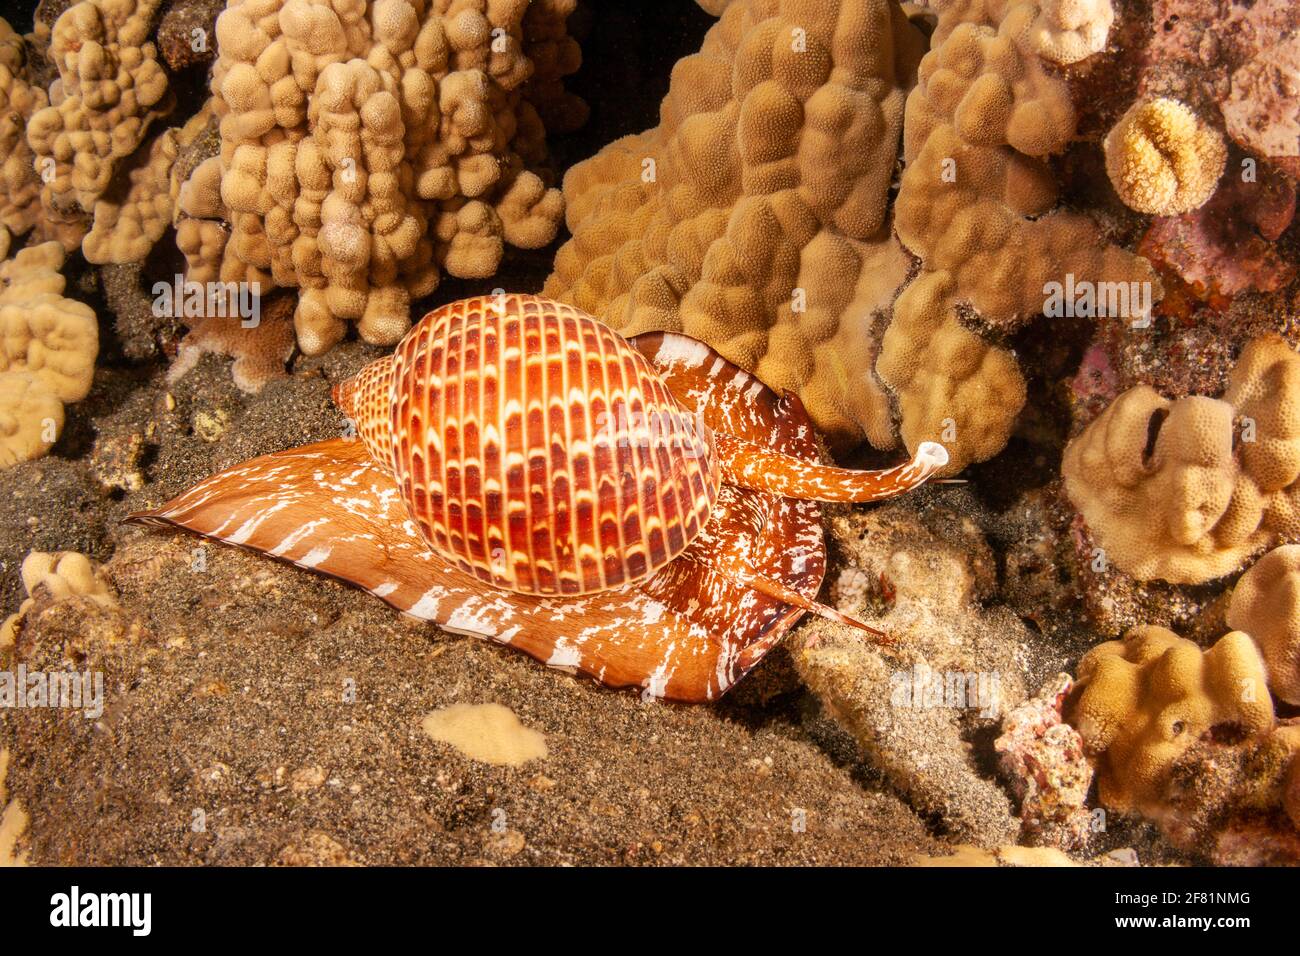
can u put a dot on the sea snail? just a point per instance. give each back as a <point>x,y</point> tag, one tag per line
<point>538,451</point>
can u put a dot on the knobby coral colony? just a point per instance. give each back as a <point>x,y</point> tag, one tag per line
<point>620,477</point>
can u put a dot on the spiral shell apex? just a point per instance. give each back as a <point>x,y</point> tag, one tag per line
<point>534,448</point>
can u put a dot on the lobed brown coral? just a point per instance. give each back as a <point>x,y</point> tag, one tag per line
<point>111,87</point>
<point>364,146</point>
<point>48,345</point>
<point>1266,605</point>
<point>19,186</point>
<point>1185,491</point>
<point>131,218</point>
<point>978,203</point>
<point>1143,701</point>
<point>63,574</point>
<point>754,217</point>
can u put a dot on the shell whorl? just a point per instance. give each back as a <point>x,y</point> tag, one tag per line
<point>534,448</point>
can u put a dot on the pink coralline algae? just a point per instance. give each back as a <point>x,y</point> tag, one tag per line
<point>1042,757</point>
<point>1227,246</point>
<point>1244,55</point>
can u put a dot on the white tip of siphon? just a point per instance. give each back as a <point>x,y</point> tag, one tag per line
<point>931,454</point>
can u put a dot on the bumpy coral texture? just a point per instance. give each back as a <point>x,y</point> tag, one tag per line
<point>1066,31</point>
<point>1186,491</point>
<point>1144,700</point>
<point>48,346</point>
<point>1162,160</point>
<point>29,412</point>
<point>110,88</point>
<point>1266,605</point>
<point>366,145</point>
<point>754,217</point>
<point>978,204</point>
<point>19,186</point>
<point>64,574</point>
<point>952,386</point>
<point>130,219</point>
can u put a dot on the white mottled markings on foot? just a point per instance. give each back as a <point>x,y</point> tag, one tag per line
<point>687,633</point>
<point>314,557</point>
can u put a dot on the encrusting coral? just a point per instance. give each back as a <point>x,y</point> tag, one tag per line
<point>1143,701</point>
<point>1187,490</point>
<point>259,352</point>
<point>1162,160</point>
<point>110,88</point>
<point>754,217</point>
<point>21,98</point>
<point>48,345</point>
<point>978,204</point>
<point>1266,605</point>
<point>365,146</point>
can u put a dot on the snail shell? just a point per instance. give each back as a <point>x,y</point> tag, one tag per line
<point>534,448</point>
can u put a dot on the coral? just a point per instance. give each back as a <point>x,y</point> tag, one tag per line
<point>20,187</point>
<point>1170,491</point>
<point>129,220</point>
<point>54,338</point>
<point>966,855</point>
<point>1235,63</point>
<point>13,820</point>
<point>1224,248</point>
<point>365,146</point>
<point>199,236</point>
<point>1227,799</point>
<point>12,55</point>
<point>951,384</point>
<point>31,417</point>
<point>977,203</point>
<point>48,345</point>
<point>754,217</point>
<point>62,574</point>
<point>1066,31</point>
<point>1266,605</point>
<point>259,352</point>
<point>1162,160</point>
<point>1143,701</point>
<point>110,88</point>
<point>1043,758</point>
